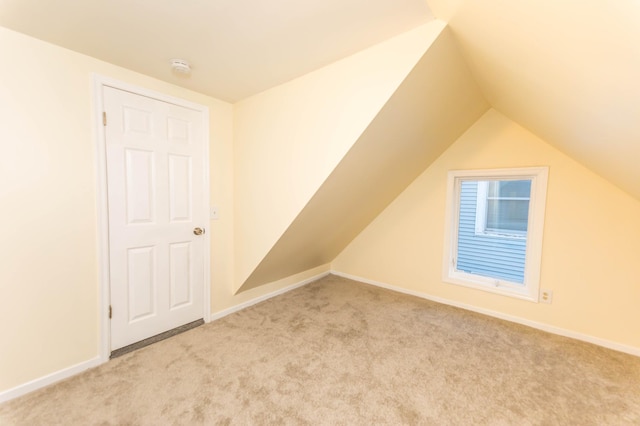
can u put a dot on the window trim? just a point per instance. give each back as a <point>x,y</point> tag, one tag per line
<point>529,290</point>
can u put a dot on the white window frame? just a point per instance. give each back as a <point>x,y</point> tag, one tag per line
<point>529,290</point>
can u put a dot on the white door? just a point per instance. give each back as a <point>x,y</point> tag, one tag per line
<point>155,178</point>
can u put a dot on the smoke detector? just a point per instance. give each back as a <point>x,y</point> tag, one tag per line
<point>180,66</point>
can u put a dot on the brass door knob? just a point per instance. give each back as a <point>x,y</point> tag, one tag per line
<point>198,231</point>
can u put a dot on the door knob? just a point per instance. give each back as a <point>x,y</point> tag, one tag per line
<point>198,231</point>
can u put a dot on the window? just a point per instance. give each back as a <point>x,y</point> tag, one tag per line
<point>494,230</point>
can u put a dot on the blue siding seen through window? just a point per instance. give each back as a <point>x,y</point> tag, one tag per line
<point>486,255</point>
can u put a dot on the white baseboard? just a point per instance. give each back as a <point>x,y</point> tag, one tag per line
<point>94,362</point>
<point>251,302</point>
<point>49,379</point>
<point>534,324</point>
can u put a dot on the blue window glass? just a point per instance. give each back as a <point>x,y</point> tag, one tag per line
<point>492,228</point>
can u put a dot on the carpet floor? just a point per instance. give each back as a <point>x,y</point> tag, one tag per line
<point>338,352</point>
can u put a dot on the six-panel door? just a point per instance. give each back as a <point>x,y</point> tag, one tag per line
<point>155,177</point>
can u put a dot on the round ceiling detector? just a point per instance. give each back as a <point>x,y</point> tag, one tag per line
<point>181,66</point>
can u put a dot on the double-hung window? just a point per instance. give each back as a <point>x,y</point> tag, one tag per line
<point>494,230</point>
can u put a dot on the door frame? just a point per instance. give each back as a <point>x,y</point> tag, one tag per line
<point>102,207</point>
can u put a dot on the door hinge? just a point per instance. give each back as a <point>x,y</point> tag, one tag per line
<point>104,118</point>
<point>110,312</point>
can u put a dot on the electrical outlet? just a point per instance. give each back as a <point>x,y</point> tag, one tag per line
<point>546,296</point>
<point>215,213</point>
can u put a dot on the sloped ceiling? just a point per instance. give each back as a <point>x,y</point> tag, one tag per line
<point>567,70</point>
<point>236,47</point>
<point>287,140</point>
<point>432,107</point>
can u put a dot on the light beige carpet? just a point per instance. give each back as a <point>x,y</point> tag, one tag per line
<point>337,352</point>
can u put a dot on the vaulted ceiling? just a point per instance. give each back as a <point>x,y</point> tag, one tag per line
<point>565,69</point>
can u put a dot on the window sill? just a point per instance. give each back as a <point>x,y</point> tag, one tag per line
<point>491,285</point>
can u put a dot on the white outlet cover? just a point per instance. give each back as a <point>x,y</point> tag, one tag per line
<point>546,296</point>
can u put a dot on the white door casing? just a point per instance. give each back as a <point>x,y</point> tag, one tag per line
<point>157,185</point>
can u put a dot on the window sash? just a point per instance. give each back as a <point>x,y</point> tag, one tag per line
<point>491,208</point>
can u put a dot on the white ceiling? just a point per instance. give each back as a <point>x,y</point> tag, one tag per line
<point>236,47</point>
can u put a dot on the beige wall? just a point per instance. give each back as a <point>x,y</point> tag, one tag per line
<point>435,104</point>
<point>590,248</point>
<point>288,139</point>
<point>49,289</point>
